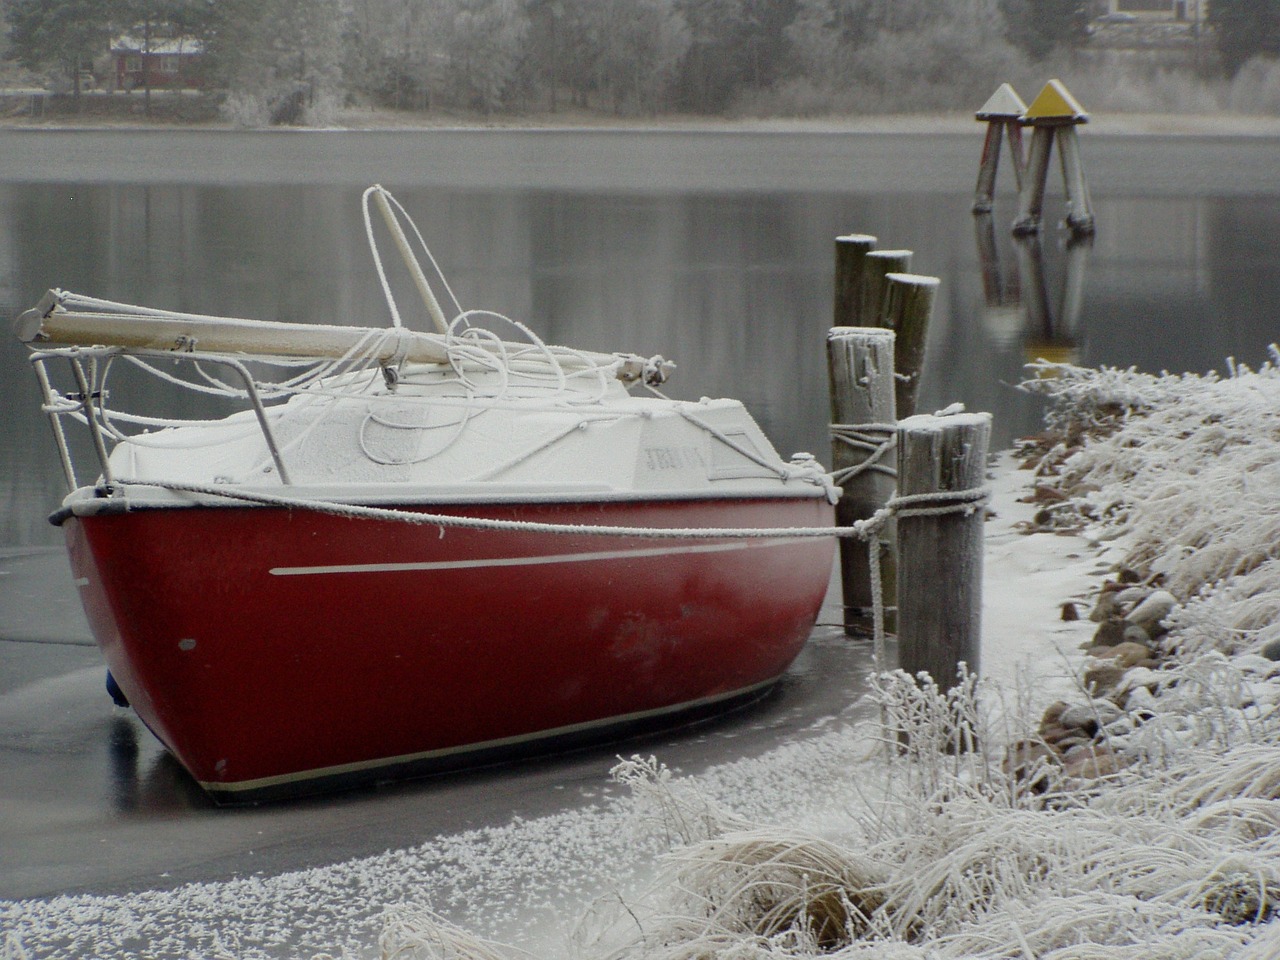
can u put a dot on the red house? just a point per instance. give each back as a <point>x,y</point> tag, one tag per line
<point>163,63</point>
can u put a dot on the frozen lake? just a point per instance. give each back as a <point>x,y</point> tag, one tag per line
<point>714,249</point>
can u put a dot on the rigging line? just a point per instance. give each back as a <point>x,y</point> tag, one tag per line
<point>960,502</point>
<point>874,440</point>
<point>377,257</point>
<point>860,528</point>
<point>427,250</point>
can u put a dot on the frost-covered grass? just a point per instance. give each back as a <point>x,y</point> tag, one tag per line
<point>1187,469</point>
<point>884,840</point>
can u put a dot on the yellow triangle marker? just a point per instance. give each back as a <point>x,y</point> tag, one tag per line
<point>1004,104</point>
<point>1055,102</point>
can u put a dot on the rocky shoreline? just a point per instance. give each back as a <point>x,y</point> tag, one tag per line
<point>1140,646</point>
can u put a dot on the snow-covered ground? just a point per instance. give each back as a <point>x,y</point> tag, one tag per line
<point>921,853</point>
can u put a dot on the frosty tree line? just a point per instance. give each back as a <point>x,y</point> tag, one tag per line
<point>625,57</point>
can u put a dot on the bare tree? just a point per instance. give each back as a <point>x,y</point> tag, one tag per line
<point>63,34</point>
<point>1244,29</point>
<point>640,44</point>
<point>480,52</point>
<point>279,59</point>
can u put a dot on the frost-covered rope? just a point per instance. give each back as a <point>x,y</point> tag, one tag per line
<point>783,472</point>
<point>422,243</point>
<point>859,528</point>
<point>458,426</point>
<point>936,504</point>
<point>68,299</point>
<point>916,505</point>
<point>939,503</point>
<point>874,440</point>
<point>528,454</point>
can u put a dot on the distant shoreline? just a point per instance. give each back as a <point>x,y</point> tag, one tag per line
<point>358,121</point>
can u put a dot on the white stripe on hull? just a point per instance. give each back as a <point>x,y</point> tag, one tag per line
<point>532,561</point>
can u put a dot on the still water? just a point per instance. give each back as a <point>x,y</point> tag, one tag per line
<point>712,249</point>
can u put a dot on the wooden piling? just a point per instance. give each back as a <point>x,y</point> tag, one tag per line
<point>1031,198</point>
<point>1079,207</point>
<point>850,251</point>
<point>861,366</point>
<point>876,265</point>
<point>940,547</point>
<point>1002,112</point>
<point>985,191</point>
<point>908,308</point>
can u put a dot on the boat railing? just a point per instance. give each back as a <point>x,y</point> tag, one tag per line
<point>88,402</point>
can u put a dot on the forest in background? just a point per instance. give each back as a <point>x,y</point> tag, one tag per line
<point>304,61</point>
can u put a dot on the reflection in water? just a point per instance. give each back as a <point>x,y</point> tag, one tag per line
<point>122,748</point>
<point>145,778</point>
<point>1019,308</point>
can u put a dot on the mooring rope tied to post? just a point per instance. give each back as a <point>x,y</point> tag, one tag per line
<point>941,503</point>
<point>965,502</point>
<point>876,440</point>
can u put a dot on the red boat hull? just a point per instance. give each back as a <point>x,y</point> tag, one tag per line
<point>280,651</point>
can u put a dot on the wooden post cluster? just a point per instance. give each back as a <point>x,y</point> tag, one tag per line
<point>942,461</point>
<point>935,574</point>
<point>875,354</point>
<point>874,288</point>
<point>1053,116</point>
<point>863,419</point>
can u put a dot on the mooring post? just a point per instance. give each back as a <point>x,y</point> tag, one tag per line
<point>1054,116</point>
<point>1079,206</point>
<point>1031,198</point>
<point>1002,112</point>
<point>863,431</point>
<point>942,463</point>
<point>876,265</point>
<point>850,252</point>
<point>908,307</point>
